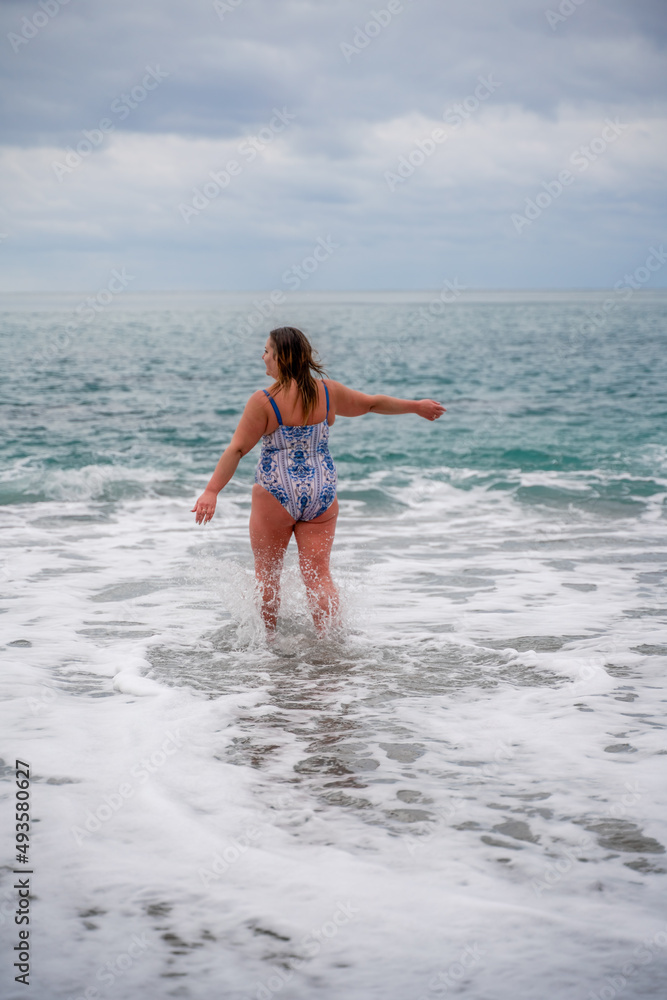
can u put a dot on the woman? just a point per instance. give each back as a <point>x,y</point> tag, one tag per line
<point>295,480</point>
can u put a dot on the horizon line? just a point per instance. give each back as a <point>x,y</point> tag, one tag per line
<point>319,291</point>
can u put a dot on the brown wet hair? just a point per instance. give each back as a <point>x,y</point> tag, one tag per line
<point>294,357</point>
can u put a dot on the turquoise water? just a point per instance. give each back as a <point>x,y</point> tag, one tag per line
<point>473,768</point>
<point>156,394</point>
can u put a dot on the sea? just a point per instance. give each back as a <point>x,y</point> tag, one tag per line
<point>462,791</point>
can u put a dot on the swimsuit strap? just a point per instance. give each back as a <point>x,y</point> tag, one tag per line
<point>327,395</point>
<point>273,404</point>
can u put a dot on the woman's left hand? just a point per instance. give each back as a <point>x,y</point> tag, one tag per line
<point>429,409</point>
<point>204,509</point>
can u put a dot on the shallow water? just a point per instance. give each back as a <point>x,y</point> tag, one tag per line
<point>463,791</point>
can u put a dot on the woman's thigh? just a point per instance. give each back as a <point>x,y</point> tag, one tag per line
<point>315,538</point>
<point>271,527</point>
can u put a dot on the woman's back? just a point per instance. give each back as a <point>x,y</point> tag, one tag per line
<point>290,406</point>
<point>295,465</point>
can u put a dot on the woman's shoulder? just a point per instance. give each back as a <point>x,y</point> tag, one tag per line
<point>336,389</point>
<point>346,401</point>
<point>257,400</point>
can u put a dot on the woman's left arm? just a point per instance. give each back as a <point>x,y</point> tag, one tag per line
<point>427,408</point>
<point>352,403</point>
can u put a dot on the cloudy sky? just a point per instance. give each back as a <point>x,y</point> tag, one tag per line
<point>216,145</point>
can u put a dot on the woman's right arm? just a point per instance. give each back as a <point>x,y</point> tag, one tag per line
<point>251,426</point>
<point>351,403</point>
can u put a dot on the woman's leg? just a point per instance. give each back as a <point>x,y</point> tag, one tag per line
<point>314,539</point>
<point>271,528</point>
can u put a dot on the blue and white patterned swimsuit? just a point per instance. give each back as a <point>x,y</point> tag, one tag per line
<point>296,467</point>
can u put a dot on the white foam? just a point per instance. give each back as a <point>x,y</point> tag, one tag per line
<point>260,800</point>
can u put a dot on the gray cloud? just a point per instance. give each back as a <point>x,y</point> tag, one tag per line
<point>358,110</point>
<point>224,75</point>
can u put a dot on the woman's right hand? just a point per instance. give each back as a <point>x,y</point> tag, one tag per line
<point>204,509</point>
<point>429,409</point>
